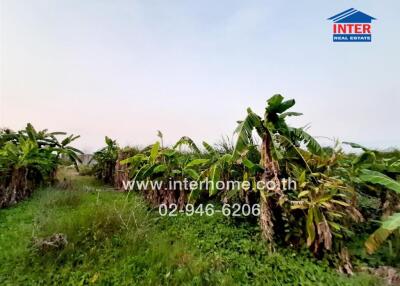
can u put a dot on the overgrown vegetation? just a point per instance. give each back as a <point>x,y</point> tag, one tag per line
<point>29,158</point>
<point>335,202</point>
<point>114,239</point>
<point>344,213</point>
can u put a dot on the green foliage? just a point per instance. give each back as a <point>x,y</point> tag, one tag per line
<point>188,142</point>
<point>325,203</point>
<point>105,160</point>
<point>113,239</point>
<point>375,177</point>
<point>339,197</point>
<point>389,226</point>
<point>271,124</point>
<point>29,158</point>
<point>86,170</point>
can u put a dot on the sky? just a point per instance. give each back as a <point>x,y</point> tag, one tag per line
<point>126,69</point>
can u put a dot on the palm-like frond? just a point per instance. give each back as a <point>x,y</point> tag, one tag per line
<point>302,136</point>
<point>245,129</point>
<point>375,177</point>
<point>277,105</point>
<point>388,227</point>
<point>209,148</point>
<point>185,140</point>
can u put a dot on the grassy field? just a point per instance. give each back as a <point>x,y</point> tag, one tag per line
<point>115,239</point>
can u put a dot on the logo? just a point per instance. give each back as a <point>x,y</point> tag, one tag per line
<point>352,26</point>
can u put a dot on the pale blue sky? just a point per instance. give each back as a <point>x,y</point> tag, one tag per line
<point>128,68</point>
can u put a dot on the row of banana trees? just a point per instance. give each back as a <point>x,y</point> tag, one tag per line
<point>29,158</point>
<point>322,212</point>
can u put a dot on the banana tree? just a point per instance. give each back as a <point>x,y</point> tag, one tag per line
<point>105,160</point>
<point>326,206</point>
<point>391,224</point>
<point>164,165</point>
<point>219,167</point>
<point>46,139</point>
<point>28,158</point>
<point>23,160</point>
<point>271,128</point>
<point>370,171</point>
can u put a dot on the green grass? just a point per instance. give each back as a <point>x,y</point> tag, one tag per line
<point>117,240</point>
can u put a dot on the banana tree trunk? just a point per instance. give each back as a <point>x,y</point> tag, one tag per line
<point>18,188</point>
<point>270,174</point>
<point>121,172</point>
<point>266,223</point>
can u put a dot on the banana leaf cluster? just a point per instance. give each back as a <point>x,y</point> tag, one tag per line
<point>29,158</point>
